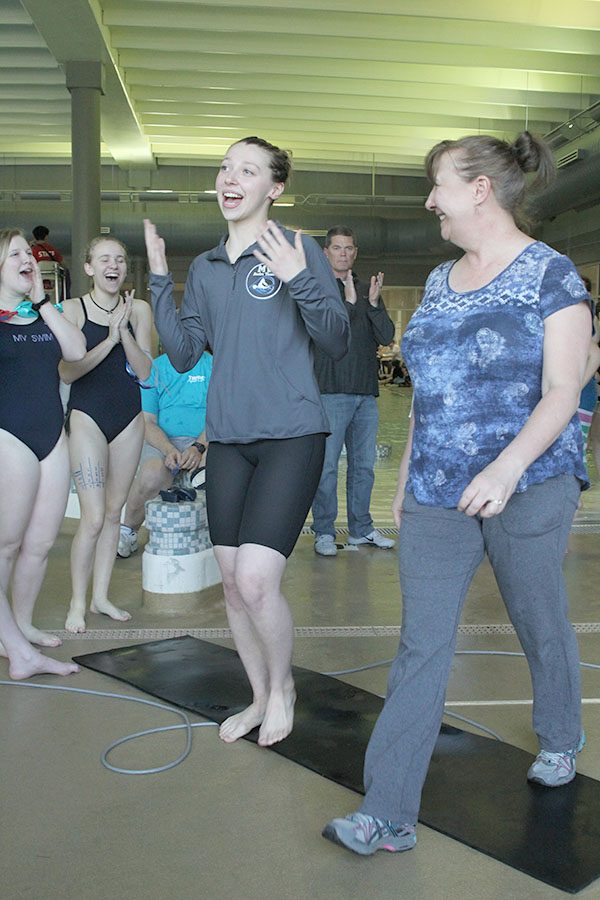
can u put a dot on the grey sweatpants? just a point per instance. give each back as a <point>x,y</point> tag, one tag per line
<point>440,550</point>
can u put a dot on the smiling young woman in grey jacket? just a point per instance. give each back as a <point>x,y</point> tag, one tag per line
<point>260,299</point>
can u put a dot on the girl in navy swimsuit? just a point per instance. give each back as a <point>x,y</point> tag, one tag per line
<point>105,423</point>
<point>34,475</point>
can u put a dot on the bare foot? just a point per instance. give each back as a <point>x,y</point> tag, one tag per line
<point>242,723</point>
<point>106,608</point>
<point>42,638</point>
<point>75,623</point>
<point>279,718</point>
<point>36,663</point>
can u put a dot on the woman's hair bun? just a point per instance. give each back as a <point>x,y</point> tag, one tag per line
<point>531,153</point>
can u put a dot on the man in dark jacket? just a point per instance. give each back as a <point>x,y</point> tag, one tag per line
<point>349,388</point>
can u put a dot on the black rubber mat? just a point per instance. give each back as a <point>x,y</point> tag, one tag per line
<point>476,791</point>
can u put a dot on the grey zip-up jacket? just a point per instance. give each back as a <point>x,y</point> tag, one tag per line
<point>261,332</point>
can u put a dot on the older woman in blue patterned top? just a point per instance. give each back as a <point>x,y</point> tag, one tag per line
<point>493,465</point>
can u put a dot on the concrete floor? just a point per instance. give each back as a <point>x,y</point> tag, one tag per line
<point>236,821</point>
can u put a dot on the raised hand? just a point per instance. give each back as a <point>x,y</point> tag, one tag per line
<point>155,248</point>
<point>375,288</point>
<point>284,260</point>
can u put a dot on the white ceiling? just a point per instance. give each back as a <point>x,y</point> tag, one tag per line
<point>339,86</point>
<point>357,91</point>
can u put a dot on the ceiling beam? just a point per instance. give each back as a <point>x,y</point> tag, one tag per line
<point>352,50</point>
<point>344,109</point>
<point>575,14</point>
<point>186,99</point>
<point>235,88</point>
<point>121,130</point>
<point>127,25</point>
<point>521,75</point>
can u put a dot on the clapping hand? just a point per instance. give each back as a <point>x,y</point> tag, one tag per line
<point>284,260</point>
<point>126,310</point>
<point>349,287</point>
<point>375,288</point>
<point>114,325</point>
<point>118,319</point>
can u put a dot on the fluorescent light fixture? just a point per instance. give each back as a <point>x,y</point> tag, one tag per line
<point>288,200</point>
<point>158,191</point>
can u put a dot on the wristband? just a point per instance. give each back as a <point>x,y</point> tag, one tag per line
<point>199,447</point>
<point>36,306</point>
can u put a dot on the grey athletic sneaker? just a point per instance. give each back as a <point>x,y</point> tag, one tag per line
<point>365,834</point>
<point>375,538</point>
<point>555,769</point>
<point>325,545</point>
<point>127,542</point>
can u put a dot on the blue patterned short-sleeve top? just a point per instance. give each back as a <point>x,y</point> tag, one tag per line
<point>475,360</point>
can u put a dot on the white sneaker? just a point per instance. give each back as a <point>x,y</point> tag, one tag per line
<point>325,545</point>
<point>198,478</point>
<point>375,538</point>
<point>555,769</point>
<point>127,542</point>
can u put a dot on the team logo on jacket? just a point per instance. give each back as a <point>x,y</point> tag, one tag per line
<point>261,283</point>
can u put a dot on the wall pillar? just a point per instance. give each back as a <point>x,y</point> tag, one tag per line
<point>138,275</point>
<point>85,81</point>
